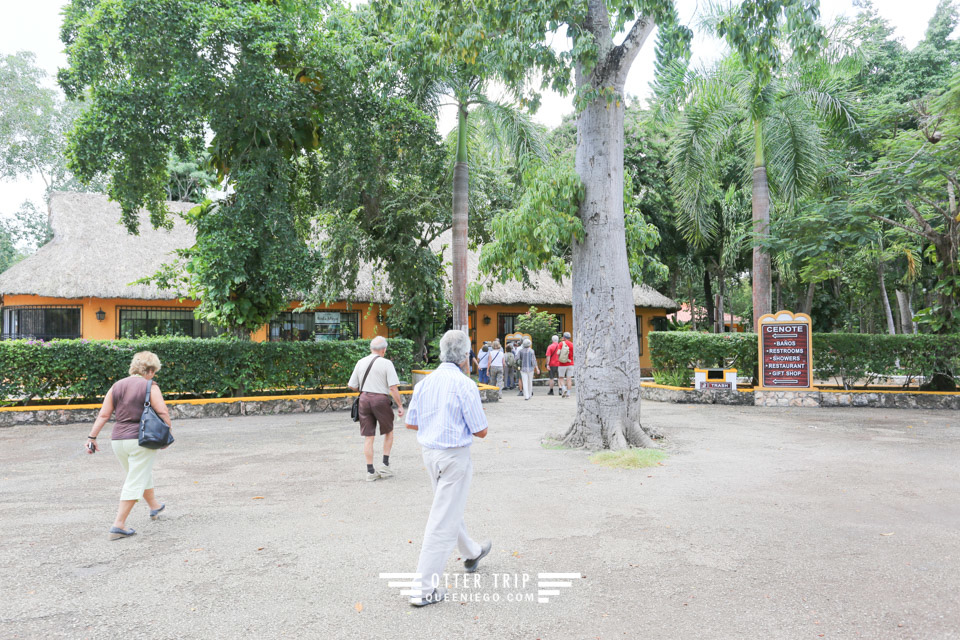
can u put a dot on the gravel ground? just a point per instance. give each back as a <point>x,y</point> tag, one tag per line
<point>761,523</point>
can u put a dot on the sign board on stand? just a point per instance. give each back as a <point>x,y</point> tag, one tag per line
<point>715,379</point>
<point>785,351</point>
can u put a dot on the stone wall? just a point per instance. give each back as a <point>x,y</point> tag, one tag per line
<point>690,396</point>
<point>891,400</point>
<point>799,398</point>
<point>786,398</point>
<point>182,410</point>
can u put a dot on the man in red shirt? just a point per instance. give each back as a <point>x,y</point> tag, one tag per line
<point>564,355</point>
<point>552,365</point>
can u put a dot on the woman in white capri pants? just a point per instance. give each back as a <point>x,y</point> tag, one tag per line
<point>126,399</point>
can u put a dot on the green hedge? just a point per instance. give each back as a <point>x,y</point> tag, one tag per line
<point>222,366</point>
<point>846,358</point>
<point>674,354</point>
<point>851,358</point>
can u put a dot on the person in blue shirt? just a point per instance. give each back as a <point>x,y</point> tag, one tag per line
<point>446,413</point>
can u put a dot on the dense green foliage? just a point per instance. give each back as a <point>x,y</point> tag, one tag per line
<point>302,108</point>
<point>541,325</point>
<point>81,369</point>
<point>848,359</point>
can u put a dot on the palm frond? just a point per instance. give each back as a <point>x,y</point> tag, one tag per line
<point>671,86</point>
<point>711,13</point>
<point>829,97</point>
<point>795,154</point>
<point>703,128</point>
<point>507,127</point>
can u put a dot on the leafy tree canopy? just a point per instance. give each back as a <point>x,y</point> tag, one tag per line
<point>299,110</point>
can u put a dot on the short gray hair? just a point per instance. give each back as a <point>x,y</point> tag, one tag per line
<point>454,347</point>
<point>527,343</point>
<point>566,334</point>
<point>555,338</point>
<point>378,344</point>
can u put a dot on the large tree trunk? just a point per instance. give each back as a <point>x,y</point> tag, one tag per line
<point>721,312</point>
<point>460,221</point>
<point>885,299</point>
<point>761,227</point>
<point>693,309</point>
<point>605,335</point>
<point>808,302</point>
<point>906,313</point>
<point>708,297</point>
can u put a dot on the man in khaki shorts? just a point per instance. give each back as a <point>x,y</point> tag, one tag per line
<point>378,379</point>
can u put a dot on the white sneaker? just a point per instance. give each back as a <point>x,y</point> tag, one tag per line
<point>373,476</point>
<point>385,471</point>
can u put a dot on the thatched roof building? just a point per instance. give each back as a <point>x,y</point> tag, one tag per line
<point>93,256</point>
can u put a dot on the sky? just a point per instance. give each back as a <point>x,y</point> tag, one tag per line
<point>35,26</point>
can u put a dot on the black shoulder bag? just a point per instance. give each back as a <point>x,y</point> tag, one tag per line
<point>154,432</point>
<point>355,409</point>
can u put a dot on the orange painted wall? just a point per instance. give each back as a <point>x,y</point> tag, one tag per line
<point>372,316</point>
<point>90,327</point>
<point>93,329</point>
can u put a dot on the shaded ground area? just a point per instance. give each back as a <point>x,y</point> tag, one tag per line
<point>762,523</point>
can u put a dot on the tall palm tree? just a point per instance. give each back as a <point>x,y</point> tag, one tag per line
<point>502,130</point>
<point>775,129</point>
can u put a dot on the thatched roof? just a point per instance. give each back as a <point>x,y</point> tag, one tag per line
<point>92,255</point>
<point>545,290</point>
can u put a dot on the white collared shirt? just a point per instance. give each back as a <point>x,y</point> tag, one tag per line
<point>446,409</point>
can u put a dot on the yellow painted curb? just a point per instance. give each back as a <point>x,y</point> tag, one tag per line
<point>654,385</point>
<point>313,396</point>
<point>923,393</point>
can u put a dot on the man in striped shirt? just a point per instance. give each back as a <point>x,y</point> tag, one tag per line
<point>445,412</point>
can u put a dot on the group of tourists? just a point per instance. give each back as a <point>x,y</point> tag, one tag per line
<point>513,367</point>
<point>445,411</point>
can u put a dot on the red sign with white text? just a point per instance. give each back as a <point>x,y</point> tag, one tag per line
<point>785,357</point>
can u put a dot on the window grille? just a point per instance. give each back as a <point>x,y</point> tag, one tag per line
<point>40,322</point>
<point>315,325</point>
<point>133,322</point>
